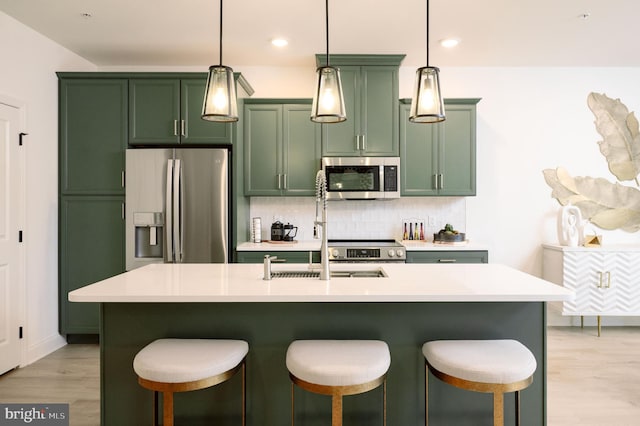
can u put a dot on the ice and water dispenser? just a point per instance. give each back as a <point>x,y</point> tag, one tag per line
<point>148,234</point>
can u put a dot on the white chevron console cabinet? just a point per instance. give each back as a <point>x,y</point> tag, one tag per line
<point>606,280</point>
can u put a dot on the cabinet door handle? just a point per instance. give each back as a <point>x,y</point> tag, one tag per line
<point>364,142</point>
<point>122,212</point>
<point>182,126</point>
<point>285,180</point>
<point>357,142</point>
<point>441,181</point>
<point>122,179</point>
<point>447,260</point>
<point>434,180</point>
<point>599,279</point>
<point>608,279</point>
<point>279,181</point>
<point>175,127</point>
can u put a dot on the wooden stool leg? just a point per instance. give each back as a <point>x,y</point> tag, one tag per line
<point>154,417</point>
<point>336,410</point>
<point>292,405</point>
<point>384,402</point>
<point>498,409</point>
<point>517,408</point>
<point>426,395</point>
<point>244,394</point>
<point>167,408</point>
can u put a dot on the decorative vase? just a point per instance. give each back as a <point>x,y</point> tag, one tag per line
<point>570,226</point>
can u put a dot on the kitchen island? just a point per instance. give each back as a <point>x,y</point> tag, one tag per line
<point>413,304</point>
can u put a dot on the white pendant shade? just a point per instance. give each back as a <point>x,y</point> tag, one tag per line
<point>328,101</point>
<point>220,95</point>
<point>427,105</point>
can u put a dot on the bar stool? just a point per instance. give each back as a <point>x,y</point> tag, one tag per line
<point>338,368</point>
<point>490,366</point>
<point>182,365</point>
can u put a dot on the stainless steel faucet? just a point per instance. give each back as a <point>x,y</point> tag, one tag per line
<point>321,199</point>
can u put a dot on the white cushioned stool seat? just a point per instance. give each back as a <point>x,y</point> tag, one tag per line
<point>168,366</point>
<point>486,361</point>
<point>338,362</point>
<point>188,360</point>
<point>490,366</point>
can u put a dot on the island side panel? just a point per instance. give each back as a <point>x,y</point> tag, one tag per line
<point>270,327</point>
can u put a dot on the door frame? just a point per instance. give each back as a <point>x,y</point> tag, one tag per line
<point>21,222</point>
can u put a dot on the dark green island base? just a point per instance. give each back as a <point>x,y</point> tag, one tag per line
<point>270,327</point>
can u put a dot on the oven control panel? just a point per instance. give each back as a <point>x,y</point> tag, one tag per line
<point>351,251</point>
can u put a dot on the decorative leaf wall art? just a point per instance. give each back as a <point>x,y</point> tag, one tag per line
<point>605,204</point>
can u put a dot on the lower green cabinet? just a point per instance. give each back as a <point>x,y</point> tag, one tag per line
<point>91,249</point>
<point>287,256</point>
<point>449,256</point>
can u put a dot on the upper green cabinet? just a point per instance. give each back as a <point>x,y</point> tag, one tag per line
<point>167,111</point>
<point>370,88</point>
<point>282,147</point>
<point>93,135</point>
<point>439,159</point>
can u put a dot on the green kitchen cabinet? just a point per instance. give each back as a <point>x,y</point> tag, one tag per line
<point>282,148</point>
<point>287,256</point>
<point>167,111</point>
<point>91,249</point>
<point>93,123</point>
<point>93,135</point>
<point>439,159</point>
<point>370,88</point>
<point>448,256</point>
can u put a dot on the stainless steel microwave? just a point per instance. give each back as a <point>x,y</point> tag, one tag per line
<point>362,178</point>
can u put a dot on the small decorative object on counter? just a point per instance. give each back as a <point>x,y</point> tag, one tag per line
<point>592,240</point>
<point>448,235</point>
<point>256,230</point>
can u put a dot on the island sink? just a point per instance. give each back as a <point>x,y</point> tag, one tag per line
<point>365,273</point>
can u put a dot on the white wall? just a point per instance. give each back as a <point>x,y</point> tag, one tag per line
<point>27,74</point>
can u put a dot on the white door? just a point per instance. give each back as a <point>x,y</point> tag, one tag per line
<point>10,191</point>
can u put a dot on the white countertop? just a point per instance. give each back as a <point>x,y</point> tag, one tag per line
<point>314,245</point>
<point>243,283</point>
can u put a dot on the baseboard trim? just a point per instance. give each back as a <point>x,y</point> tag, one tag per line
<point>43,348</point>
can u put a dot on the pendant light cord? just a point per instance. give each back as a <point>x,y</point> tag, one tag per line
<point>220,32</point>
<point>327,27</point>
<point>427,32</point>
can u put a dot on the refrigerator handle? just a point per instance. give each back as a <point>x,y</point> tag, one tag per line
<point>177,212</point>
<point>168,216</point>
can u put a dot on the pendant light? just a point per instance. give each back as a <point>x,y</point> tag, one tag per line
<point>427,105</point>
<point>220,94</point>
<point>328,101</point>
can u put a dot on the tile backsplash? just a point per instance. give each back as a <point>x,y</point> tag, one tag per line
<point>363,219</point>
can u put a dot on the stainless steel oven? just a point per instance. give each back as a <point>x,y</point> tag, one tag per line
<point>380,251</point>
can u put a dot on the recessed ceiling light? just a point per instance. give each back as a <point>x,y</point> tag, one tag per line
<point>279,42</point>
<point>449,42</point>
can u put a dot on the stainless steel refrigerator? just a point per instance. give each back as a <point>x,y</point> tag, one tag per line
<point>176,206</point>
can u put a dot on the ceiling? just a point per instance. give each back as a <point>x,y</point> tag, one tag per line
<point>492,32</point>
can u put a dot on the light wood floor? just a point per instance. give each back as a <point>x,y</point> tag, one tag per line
<point>591,382</point>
